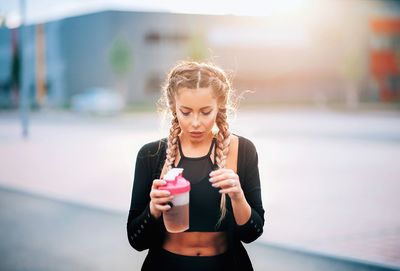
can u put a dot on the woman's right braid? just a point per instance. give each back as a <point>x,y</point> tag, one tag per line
<point>174,132</point>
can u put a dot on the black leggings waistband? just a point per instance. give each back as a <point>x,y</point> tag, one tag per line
<point>162,259</point>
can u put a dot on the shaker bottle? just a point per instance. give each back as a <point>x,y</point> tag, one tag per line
<point>176,219</point>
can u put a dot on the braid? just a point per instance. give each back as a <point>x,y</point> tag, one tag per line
<point>171,151</point>
<point>223,140</point>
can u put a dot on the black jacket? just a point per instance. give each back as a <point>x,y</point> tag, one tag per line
<point>146,232</point>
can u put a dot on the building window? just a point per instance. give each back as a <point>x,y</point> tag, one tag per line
<point>157,37</point>
<point>153,84</point>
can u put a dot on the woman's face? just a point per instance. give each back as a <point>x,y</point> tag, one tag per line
<point>196,110</point>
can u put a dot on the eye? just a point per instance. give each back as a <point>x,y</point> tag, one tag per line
<point>207,113</point>
<point>185,113</point>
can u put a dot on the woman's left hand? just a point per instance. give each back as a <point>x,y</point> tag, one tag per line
<point>228,182</point>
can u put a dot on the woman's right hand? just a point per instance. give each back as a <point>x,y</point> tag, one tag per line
<point>159,199</point>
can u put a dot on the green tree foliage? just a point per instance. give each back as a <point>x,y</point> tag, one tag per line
<point>197,48</point>
<point>121,57</point>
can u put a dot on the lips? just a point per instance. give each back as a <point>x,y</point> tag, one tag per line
<point>196,134</point>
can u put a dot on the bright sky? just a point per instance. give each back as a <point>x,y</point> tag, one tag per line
<point>46,10</point>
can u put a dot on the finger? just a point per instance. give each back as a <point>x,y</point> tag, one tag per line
<point>157,183</point>
<point>157,193</point>
<point>219,171</point>
<point>225,183</point>
<point>216,172</point>
<point>224,176</point>
<point>162,208</point>
<point>162,200</point>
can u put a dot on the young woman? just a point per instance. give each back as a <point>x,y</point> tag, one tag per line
<point>225,206</point>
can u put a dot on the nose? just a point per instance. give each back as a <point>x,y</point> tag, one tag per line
<point>195,121</point>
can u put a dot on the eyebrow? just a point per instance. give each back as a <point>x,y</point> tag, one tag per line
<point>188,108</point>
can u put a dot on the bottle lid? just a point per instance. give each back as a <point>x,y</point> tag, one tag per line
<point>176,183</point>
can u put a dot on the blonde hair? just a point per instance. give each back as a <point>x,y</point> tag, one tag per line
<point>193,75</point>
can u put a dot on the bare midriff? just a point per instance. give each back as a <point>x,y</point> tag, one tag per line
<point>196,243</point>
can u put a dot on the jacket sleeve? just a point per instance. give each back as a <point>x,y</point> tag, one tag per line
<point>253,228</point>
<point>142,228</point>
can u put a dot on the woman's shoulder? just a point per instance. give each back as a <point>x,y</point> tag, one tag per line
<point>247,155</point>
<point>244,144</point>
<point>153,148</point>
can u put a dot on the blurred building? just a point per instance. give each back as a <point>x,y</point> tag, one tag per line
<point>385,57</point>
<point>338,51</point>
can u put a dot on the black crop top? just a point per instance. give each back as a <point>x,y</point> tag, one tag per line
<point>204,200</point>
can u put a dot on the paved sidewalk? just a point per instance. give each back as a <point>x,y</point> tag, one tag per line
<point>41,234</point>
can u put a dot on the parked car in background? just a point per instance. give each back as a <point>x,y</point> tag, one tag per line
<point>98,100</point>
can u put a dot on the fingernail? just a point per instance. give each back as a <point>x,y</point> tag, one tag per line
<point>211,180</point>
<point>214,185</point>
<point>211,173</point>
<point>220,191</point>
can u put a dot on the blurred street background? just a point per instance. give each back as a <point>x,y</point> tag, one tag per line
<point>321,102</point>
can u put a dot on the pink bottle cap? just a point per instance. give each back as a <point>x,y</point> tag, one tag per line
<point>176,183</point>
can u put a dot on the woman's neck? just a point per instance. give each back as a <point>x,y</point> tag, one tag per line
<point>189,144</point>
